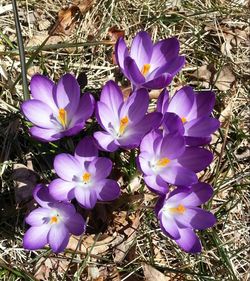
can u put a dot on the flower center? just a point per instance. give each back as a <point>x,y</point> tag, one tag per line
<point>145,69</point>
<point>163,162</point>
<point>54,219</point>
<point>184,120</point>
<point>180,209</point>
<point>86,177</point>
<point>123,124</point>
<point>62,117</point>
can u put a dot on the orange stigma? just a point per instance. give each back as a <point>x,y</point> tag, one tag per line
<point>86,177</point>
<point>62,116</point>
<point>145,69</point>
<point>54,219</point>
<point>184,120</point>
<point>123,124</point>
<point>163,162</point>
<point>180,209</point>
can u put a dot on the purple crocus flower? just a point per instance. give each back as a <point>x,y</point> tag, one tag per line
<point>57,110</point>
<point>83,176</point>
<point>52,223</point>
<point>149,65</point>
<point>125,122</point>
<point>165,159</point>
<point>179,215</point>
<point>193,110</point>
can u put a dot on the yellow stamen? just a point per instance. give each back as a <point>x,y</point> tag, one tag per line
<point>163,162</point>
<point>145,69</point>
<point>123,124</point>
<point>180,209</point>
<point>62,116</point>
<point>86,177</point>
<point>54,219</point>
<point>184,120</point>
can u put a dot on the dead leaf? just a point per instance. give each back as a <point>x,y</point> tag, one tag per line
<point>37,40</point>
<point>83,5</point>
<point>152,274</point>
<point>115,33</point>
<point>225,79</point>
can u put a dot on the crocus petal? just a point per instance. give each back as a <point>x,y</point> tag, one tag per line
<point>189,241</point>
<point>106,117</point>
<point>168,225</point>
<point>148,141</point>
<point>121,52</point>
<point>158,82</point>
<point>67,166</point>
<point>58,237</point>
<point>163,101</point>
<point>141,49</point>
<point>67,94</point>
<point>74,130</point>
<point>132,71</point>
<point>178,175</point>
<point>196,218</point>
<point>45,135</point>
<point>86,150</point>
<point>182,102</point>
<point>105,141</point>
<point>144,161</point>
<point>172,67</point>
<point>135,106</point>
<point>108,190</point>
<point>172,124</point>
<point>203,105</point>
<point>61,190</point>
<point>195,158</point>
<point>156,183</point>
<point>76,224</point>
<point>100,168</point>
<point>112,96</point>
<point>41,88</point>
<point>42,196</point>
<point>195,141</point>
<point>164,51</point>
<point>200,193</point>
<point>39,113</point>
<point>37,216</point>
<point>86,197</point>
<point>36,237</point>
<point>201,127</point>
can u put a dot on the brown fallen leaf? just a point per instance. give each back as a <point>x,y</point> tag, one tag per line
<point>83,5</point>
<point>224,79</point>
<point>152,274</point>
<point>114,34</point>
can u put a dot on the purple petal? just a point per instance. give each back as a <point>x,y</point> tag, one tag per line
<point>159,204</point>
<point>148,141</point>
<point>36,237</point>
<point>158,81</point>
<point>37,216</point>
<point>200,193</point>
<point>61,190</point>
<point>106,117</point>
<point>45,135</point>
<point>135,106</point>
<point>203,105</point>
<point>86,150</point>
<point>58,237</point>
<point>86,197</point>
<point>132,71</point>
<point>195,158</point>
<point>182,102</point>
<point>201,127</point>
<point>76,224</point>
<point>65,209</point>
<point>121,52</point>
<point>141,49</point>
<point>189,241</point>
<point>108,190</point>
<point>100,168</point>
<point>42,196</point>
<point>172,124</point>
<point>194,141</point>
<point>168,225</point>
<point>156,183</point>
<point>39,113</point>
<point>67,166</point>
<point>163,101</point>
<point>144,161</point>
<point>67,94</point>
<point>105,141</point>
<point>41,88</point>
<point>164,51</point>
<point>172,67</point>
<point>177,195</point>
<point>74,130</point>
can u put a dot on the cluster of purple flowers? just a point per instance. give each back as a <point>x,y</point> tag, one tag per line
<point>170,144</point>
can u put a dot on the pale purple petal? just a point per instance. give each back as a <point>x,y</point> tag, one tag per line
<point>42,196</point>
<point>67,166</point>
<point>39,113</point>
<point>172,124</point>
<point>201,127</point>
<point>132,71</point>
<point>74,130</point>
<point>86,197</point>
<point>156,183</point>
<point>38,216</point>
<point>86,150</point>
<point>189,241</point>
<point>36,237</point>
<point>61,190</point>
<point>121,52</point>
<point>45,135</point>
<point>168,225</point>
<point>147,143</point>
<point>105,141</point>
<point>100,168</point>
<point>76,224</point>
<point>163,101</point>
<point>172,67</point>
<point>58,237</point>
<point>158,81</point>
<point>106,117</point>
<point>144,160</point>
<point>108,190</point>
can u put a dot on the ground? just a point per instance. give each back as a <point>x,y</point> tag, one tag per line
<point>123,238</point>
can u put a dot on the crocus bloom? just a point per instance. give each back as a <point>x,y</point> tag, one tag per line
<point>149,65</point>
<point>52,223</point>
<point>165,159</point>
<point>57,110</point>
<point>194,110</point>
<point>83,176</point>
<point>125,122</point>
<point>179,215</point>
